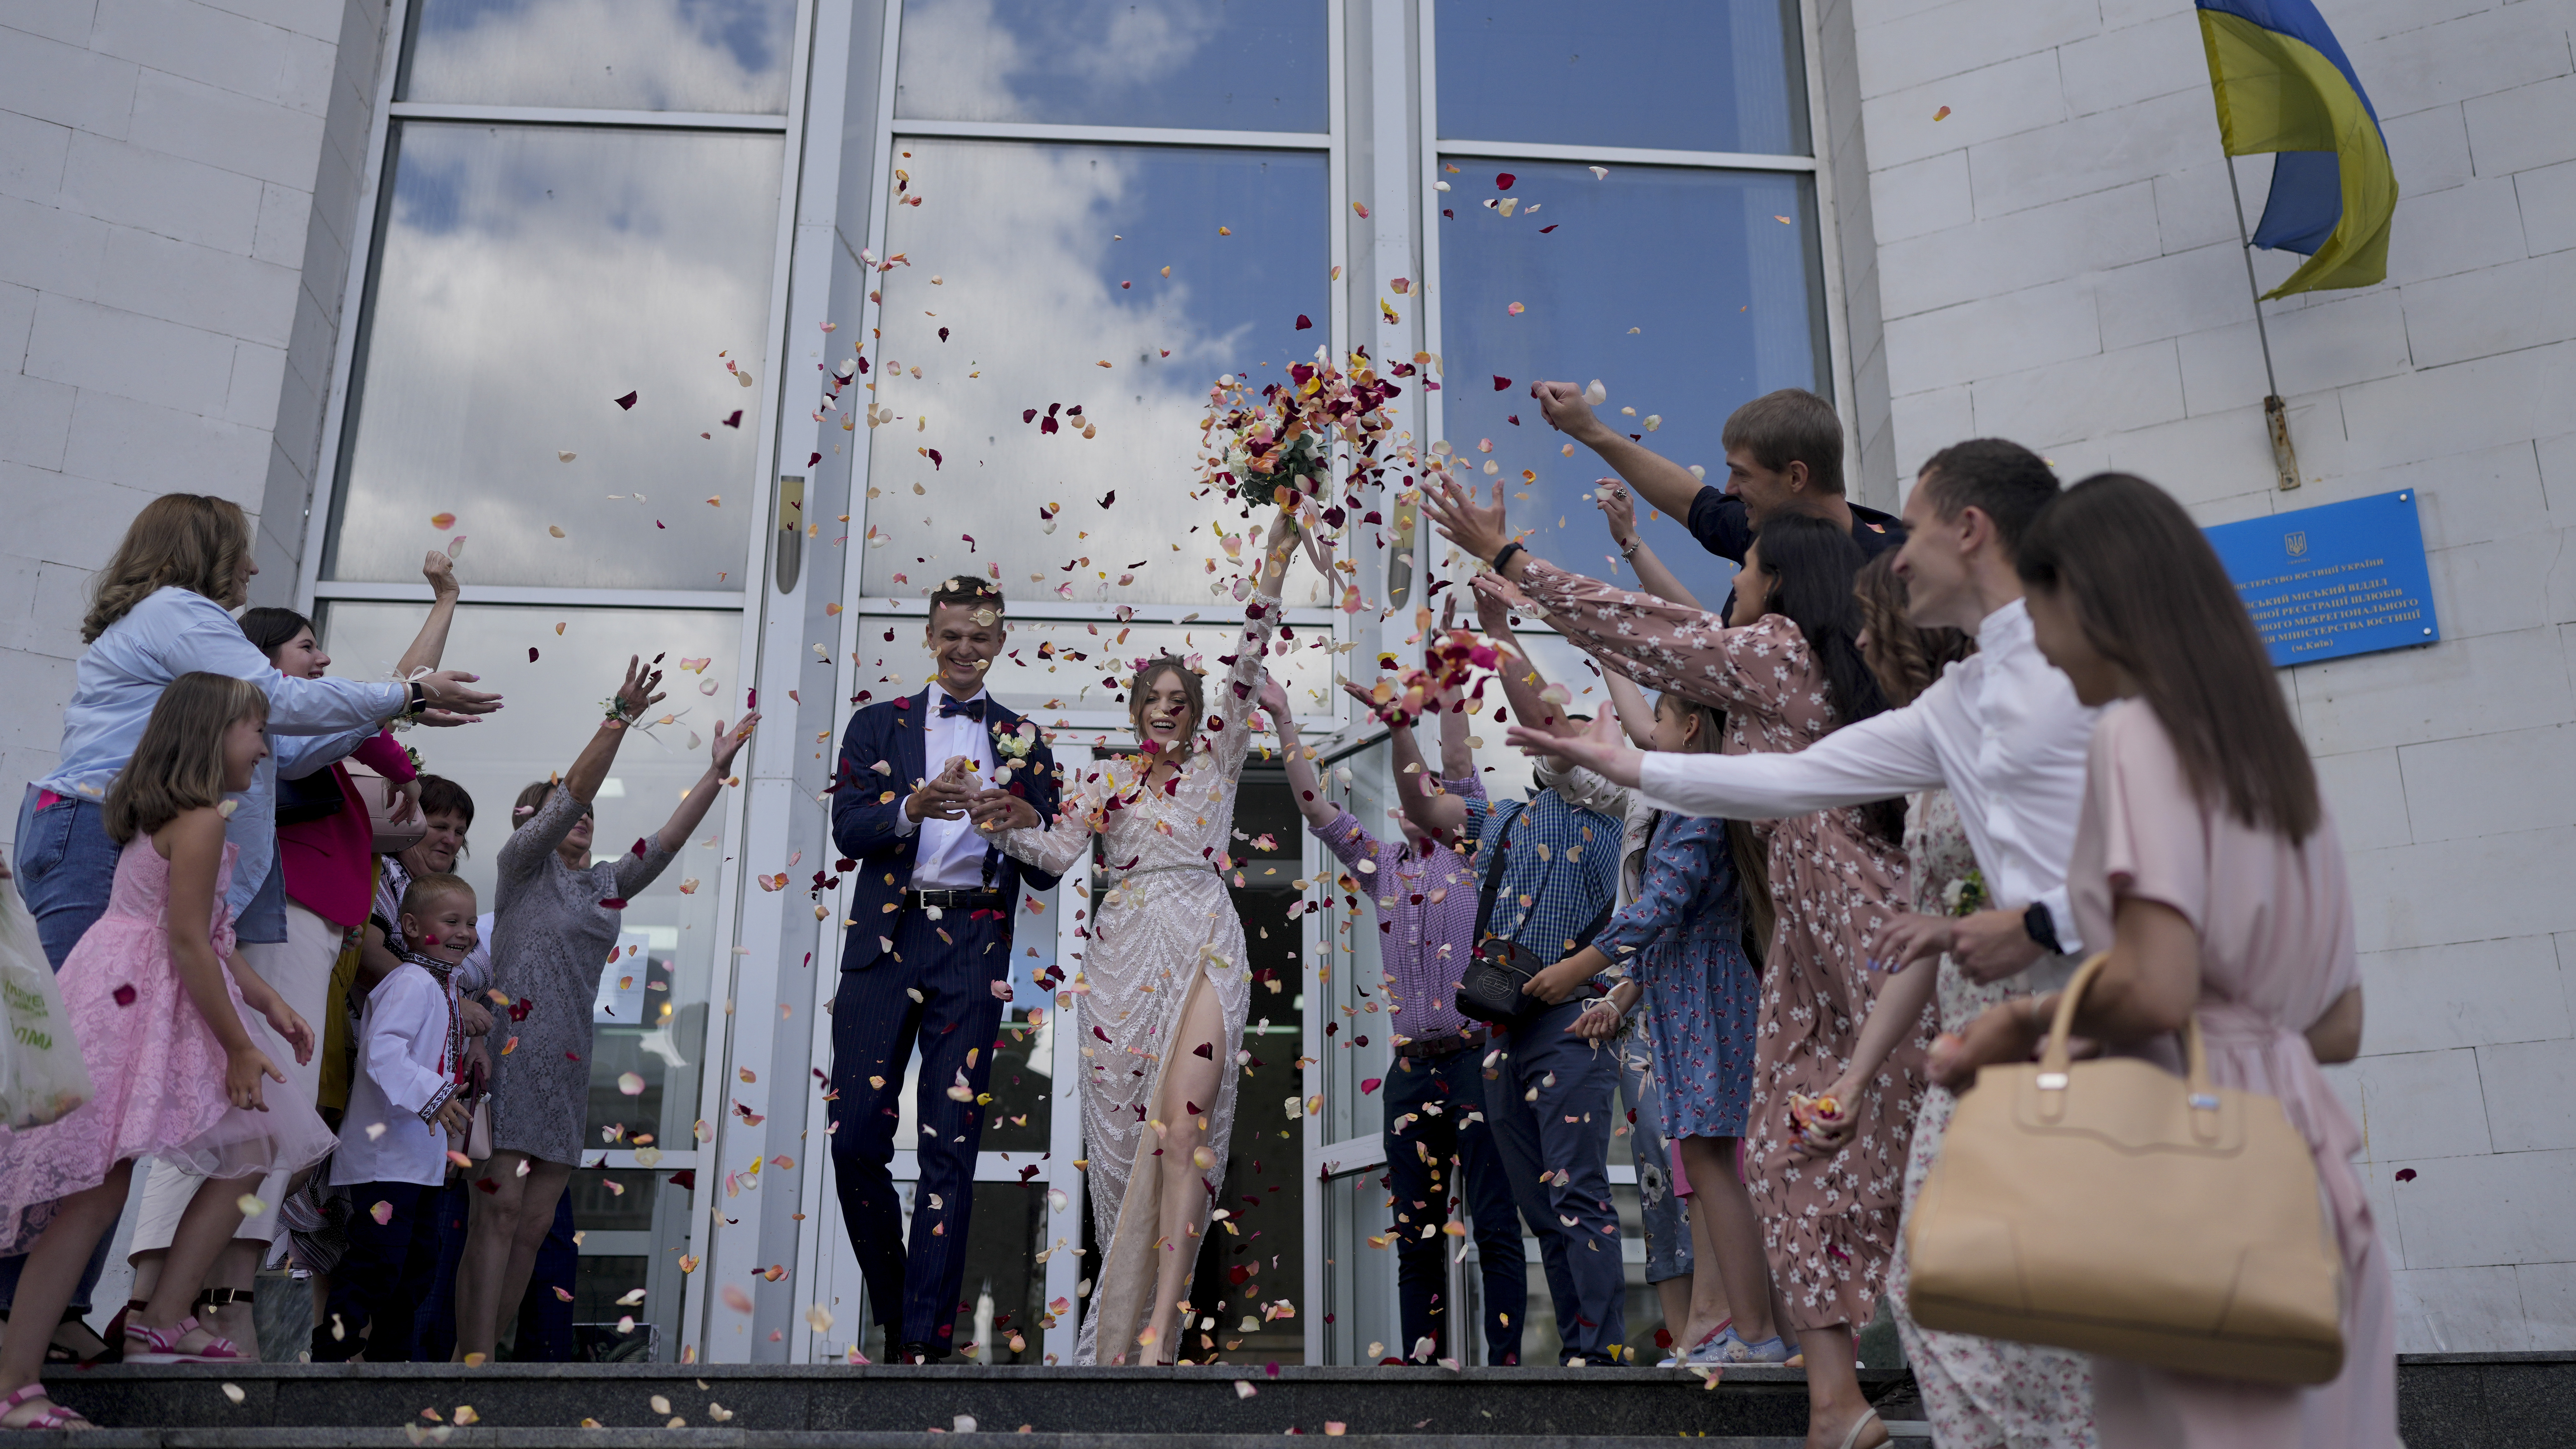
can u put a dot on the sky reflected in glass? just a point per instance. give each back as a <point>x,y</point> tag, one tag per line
<point>633,55</point>
<point>1678,75</point>
<point>530,278</point>
<point>1040,263</point>
<point>1213,64</point>
<point>1686,292</point>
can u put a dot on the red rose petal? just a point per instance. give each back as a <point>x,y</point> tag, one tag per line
<point>736,420</point>
<point>1304,321</point>
<point>615,903</point>
<point>532,654</point>
<point>1503,181</point>
<point>2405,1174</point>
<point>627,401</point>
<point>1502,383</point>
<point>124,995</point>
<point>1551,226</point>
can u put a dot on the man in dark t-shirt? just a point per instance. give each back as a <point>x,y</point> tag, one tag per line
<point>1784,454</point>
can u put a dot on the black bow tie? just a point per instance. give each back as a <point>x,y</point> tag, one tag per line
<point>973,708</point>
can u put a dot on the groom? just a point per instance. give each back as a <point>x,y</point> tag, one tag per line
<point>928,957</point>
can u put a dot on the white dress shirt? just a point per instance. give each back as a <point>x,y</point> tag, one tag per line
<point>404,1077</point>
<point>2002,729</point>
<point>951,855</point>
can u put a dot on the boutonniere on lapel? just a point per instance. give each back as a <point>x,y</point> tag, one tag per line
<point>1011,746</point>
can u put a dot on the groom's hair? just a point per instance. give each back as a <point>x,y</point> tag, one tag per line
<point>968,590</point>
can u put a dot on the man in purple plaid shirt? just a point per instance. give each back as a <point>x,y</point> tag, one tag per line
<point>1435,1093</point>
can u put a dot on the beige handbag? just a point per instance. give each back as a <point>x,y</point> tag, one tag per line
<point>2107,1207</point>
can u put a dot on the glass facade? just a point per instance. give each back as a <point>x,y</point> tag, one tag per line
<point>722,330</point>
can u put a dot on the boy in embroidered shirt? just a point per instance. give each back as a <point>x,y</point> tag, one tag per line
<point>407,1096</point>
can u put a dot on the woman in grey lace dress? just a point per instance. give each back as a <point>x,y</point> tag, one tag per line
<point>554,923</point>
<point>1167,985</point>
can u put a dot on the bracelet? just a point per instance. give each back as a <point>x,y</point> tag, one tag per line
<point>1504,554</point>
<point>419,698</point>
<point>614,708</point>
<point>1629,549</point>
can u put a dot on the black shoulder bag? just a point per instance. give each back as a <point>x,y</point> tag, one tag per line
<point>1489,990</point>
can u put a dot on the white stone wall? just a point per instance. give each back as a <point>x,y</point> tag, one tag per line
<point>177,180</point>
<point>2057,263</point>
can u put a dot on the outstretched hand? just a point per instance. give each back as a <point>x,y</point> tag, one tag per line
<point>1273,698</point>
<point>1477,528</point>
<point>637,696</point>
<point>1562,404</point>
<point>1600,748</point>
<point>729,743</point>
<point>1617,509</point>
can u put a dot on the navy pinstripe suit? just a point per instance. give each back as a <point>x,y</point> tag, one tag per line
<point>951,962</point>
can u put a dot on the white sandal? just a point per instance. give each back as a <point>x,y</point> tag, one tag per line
<point>1867,1418</point>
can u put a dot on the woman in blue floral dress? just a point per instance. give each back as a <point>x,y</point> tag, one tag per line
<point>1681,944</point>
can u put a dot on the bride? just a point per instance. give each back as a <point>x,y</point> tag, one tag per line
<point>1169,984</point>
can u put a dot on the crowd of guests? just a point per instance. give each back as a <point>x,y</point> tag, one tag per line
<point>285,995</point>
<point>1889,793</point>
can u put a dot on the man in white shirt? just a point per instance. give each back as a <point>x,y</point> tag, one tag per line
<point>2002,730</point>
<point>927,960</point>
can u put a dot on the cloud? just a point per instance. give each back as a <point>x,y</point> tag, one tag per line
<point>640,55</point>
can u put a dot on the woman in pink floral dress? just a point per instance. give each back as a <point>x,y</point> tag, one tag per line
<point>1787,674</point>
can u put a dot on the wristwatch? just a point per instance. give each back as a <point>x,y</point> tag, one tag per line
<point>2041,927</point>
<point>419,698</point>
<point>1504,554</point>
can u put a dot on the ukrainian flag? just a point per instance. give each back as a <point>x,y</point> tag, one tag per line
<point>2284,86</point>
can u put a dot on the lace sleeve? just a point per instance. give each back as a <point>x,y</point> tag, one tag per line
<point>1230,710</point>
<point>1057,846</point>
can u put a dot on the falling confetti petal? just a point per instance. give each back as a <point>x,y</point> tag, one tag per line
<point>627,401</point>
<point>564,457</point>
<point>1600,173</point>
<point>1942,114</point>
<point>382,1212</point>
<point>1514,310</point>
<point>555,530</point>
<point>736,1299</point>
<point>2405,1174</point>
<point>631,1083</point>
<point>442,521</point>
<point>234,1393</point>
<point>250,1205</point>
<point>1504,181</point>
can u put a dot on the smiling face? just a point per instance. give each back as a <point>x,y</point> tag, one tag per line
<point>1165,708</point>
<point>437,851</point>
<point>444,927</point>
<point>965,639</point>
<point>1934,562</point>
<point>245,745</point>
<point>1765,491</point>
<point>300,657</point>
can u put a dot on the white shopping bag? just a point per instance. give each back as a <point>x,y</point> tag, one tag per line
<point>41,1073</point>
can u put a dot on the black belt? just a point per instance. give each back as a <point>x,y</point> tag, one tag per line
<point>951,899</point>
<point>1446,1046</point>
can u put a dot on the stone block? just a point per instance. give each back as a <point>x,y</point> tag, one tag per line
<point>2532,125</point>
<point>284,213</point>
<point>1999,100</point>
<point>2507,1208</point>
<point>2438,411</point>
<point>2421,1105</point>
<point>31,723</point>
<point>65,20</point>
<point>198,287</point>
<point>319,19</point>
<point>2475,225</point>
<point>199,42</point>
<point>2528,1086</point>
<point>70,85</point>
<point>2082,398</point>
<point>1923,423</point>
<point>2135,143</point>
<point>2135,63</point>
<point>2456,688</point>
<point>2193,207</point>
<point>2007,254</point>
<point>2500,884</point>
<point>2548,1303</point>
<point>2460,1310</point>
<point>259,374</point>
<point>2547,197</point>
<point>2371,19</point>
<point>1919,197</point>
<point>2494,309</point>
<point>2204,458</point>
<point>170,196</point>
<point>2474,55</point>
<point>53,628</point>
<point>128,355</point>
<point>35,420</point>
<point>239,133</point>
<point>1962,37</point>
<point>32,157</point>
<point>49,249</point>
<point>2367,795</point>
<point>2498,586</point>
<point>67,520</point>
<point>2472,994</point>
<point>17,316</point>
<point>120,440</point>
<point>2473,497</point>
<point>2429,150</point>
<point>2556,457</point>
<point>2179,292</point>
<point>1994,335</point>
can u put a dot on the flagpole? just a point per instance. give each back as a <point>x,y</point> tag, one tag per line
<point>2276,415</point>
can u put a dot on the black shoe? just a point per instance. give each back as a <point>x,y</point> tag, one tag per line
<point>920,1353</point>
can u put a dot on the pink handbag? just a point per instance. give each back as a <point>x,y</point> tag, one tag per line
<point>384,800</point>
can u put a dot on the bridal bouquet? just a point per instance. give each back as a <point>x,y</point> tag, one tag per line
<point>1257,445</point>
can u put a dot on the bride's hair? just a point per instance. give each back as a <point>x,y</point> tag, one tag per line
<point>1193,689</point>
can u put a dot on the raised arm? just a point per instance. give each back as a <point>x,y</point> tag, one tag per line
<point>1417,790</point>
<point>635,698</point>
<point>1636,714</point>
<point>208,639</point>
<point>1230,713</point>
<point>1061,843</point>
<point>431,642</point>
<point>1659,480</point>
<point>1303,782</point>
<point>1620,512</point>
<point>1524,686</point>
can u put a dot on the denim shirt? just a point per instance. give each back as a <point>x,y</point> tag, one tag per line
<point>180,631</point>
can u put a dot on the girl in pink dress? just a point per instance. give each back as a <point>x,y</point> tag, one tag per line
<point>2205,856</point>
<point>162,1009</point>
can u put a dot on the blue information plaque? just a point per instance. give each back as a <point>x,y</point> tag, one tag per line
<point>2321,583</point>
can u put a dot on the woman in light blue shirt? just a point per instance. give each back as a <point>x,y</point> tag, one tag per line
<point>157,611</point>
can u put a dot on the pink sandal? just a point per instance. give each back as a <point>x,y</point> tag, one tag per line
<point>56,1417</point>
<point>155,1345</point>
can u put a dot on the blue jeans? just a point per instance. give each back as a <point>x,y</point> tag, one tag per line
<point>1668,1237</point>
<point>1564,1134</point>
<point>1424,1160</point>
<point>65,866</point>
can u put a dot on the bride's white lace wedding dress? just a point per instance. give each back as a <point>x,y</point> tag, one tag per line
<point>1165,928</point>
